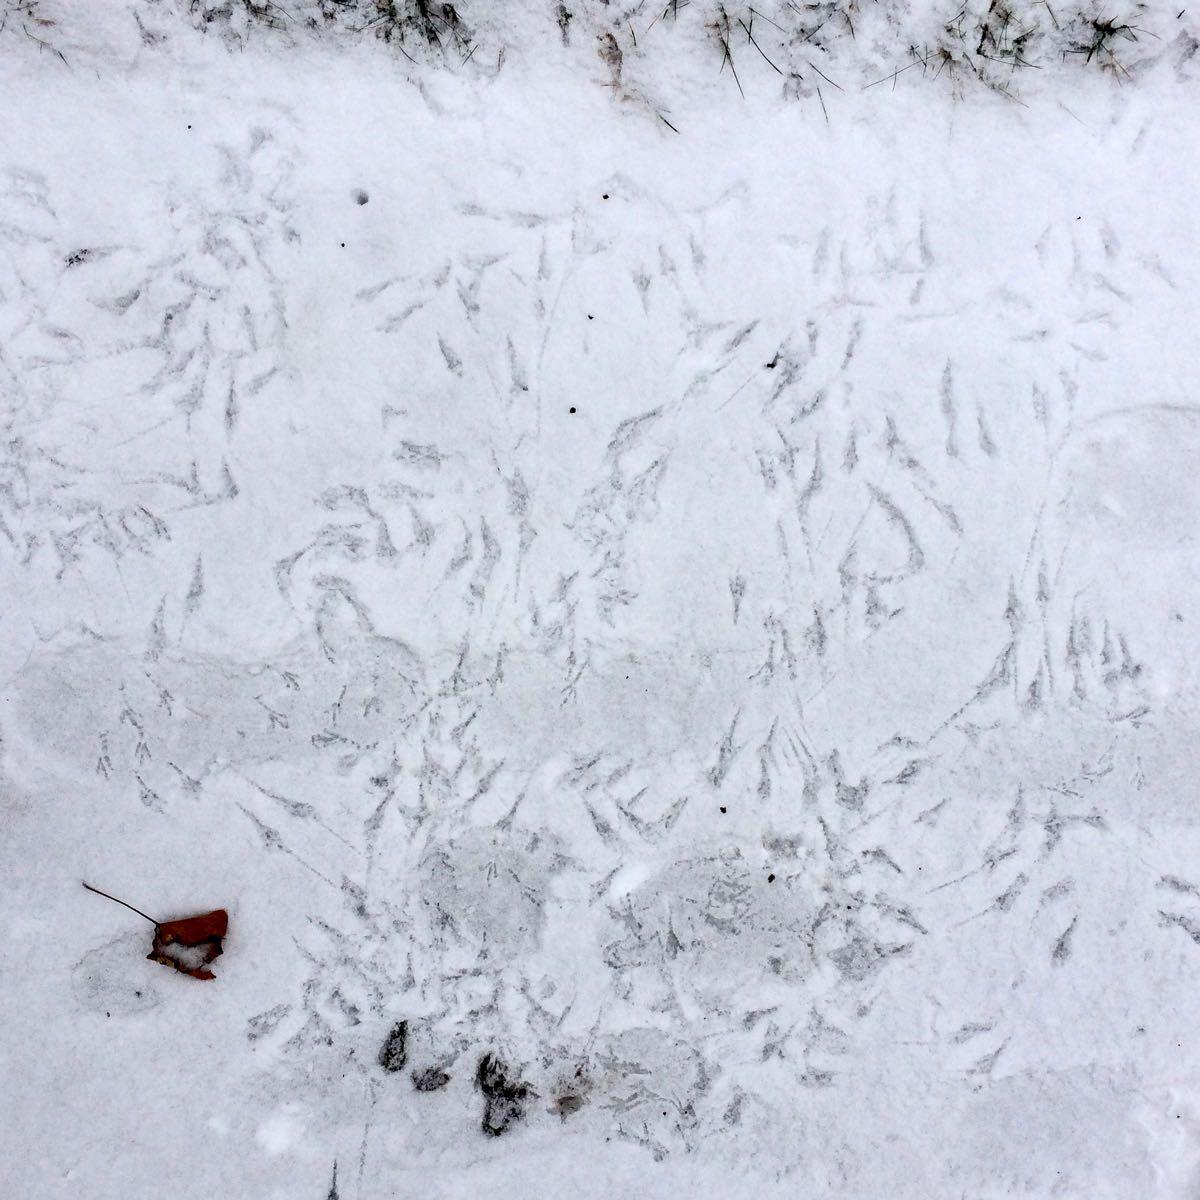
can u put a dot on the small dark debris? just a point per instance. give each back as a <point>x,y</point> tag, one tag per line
<point>343,245</point>
<point>567,1105</point>
<point>361,197</point>
<point>723,808</point>
<point>572,408</point>
<point>394,1053</point>
<point>590,317</point>
<point>80,256</point>
<point>506,1099</point>
<point>770,878</point>
<point>502,1112</point>
<point>773,363</point>
<point>430,1079</point>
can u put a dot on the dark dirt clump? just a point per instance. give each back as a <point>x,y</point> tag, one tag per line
<point>506,1098</point>
<point>394,1052</point>
<point>568,1104</point>
<point>430,1079</point>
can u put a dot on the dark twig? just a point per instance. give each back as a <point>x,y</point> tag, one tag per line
<point>121,902</point>
<point>758,47</point>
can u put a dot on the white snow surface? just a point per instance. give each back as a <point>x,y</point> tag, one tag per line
<point>684,584</point>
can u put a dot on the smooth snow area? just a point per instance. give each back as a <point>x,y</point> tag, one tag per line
<point>707,618</point>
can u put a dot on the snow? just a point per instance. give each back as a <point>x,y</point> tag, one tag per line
<point>701,612</point>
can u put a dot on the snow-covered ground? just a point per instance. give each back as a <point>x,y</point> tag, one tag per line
<point>646,558</point>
